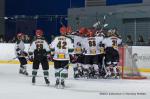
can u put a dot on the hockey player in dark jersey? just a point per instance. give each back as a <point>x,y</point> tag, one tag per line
<point>21,54</point>
<point>38,51</point>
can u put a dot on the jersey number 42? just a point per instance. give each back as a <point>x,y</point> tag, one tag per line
<point>62,44</point>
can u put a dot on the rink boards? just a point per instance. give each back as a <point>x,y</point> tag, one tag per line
<point>7,53</point>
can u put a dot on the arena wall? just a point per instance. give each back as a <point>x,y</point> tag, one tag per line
<point>137,58</point>
<point>2,14</point>
<point>132,19</point>
<point>7,53</point>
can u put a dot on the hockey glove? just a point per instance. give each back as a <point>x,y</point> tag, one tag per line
<point>73,58</point>
<point>23,53</point>
<point>49,57</point>
<point>31,58</point>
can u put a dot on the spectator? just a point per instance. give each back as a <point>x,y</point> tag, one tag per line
<point>140,40</point>
<point>27,39</point>
<point>13,40</point>
<point>52,37</point>
<point>2,39</point>
<point>129,40</point>
<point>148,41</point>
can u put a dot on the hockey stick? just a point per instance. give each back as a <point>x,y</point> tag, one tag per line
<point>103,23</point>
<point>27,58</point>
<point>12,59</point>
<point>98,22</point>
<point>63,68</point>
<point>104,67</point>
<point>61,21</point>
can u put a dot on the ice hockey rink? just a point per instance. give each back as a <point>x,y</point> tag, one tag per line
<point>16,86</point>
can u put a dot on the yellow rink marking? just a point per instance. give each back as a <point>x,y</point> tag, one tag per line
<point>127,68</point>
<point>17,62</point>
<point>146,70</point>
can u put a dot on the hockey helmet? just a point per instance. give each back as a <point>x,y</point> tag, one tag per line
<point>63,30</point>
<point>39,33</point>
<point>90,33</point>
<point>68,29</point>
<point>82,31</point>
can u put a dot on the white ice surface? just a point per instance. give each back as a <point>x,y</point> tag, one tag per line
<point>16,86</point>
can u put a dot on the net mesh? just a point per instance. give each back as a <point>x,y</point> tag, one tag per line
<point>130,68</point>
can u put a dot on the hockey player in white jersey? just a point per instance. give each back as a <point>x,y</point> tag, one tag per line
<point>38,51</point>
<point>101,52</point>
<point>21,54</point>
<point>91,51</point>
<point>61,47</point>
<point>77,57</point>
<point>78,53</point>
<point>112,55</point>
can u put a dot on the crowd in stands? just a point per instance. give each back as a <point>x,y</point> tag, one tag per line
<point>2,40</point>
<point>129,40</point>
<point>27,39</point>
<point>140,41</point>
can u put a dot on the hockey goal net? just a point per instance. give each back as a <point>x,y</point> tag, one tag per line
<point>130,69</point>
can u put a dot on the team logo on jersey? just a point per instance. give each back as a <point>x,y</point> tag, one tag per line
<point>78,50</point>
<point>102,50</point>
<point>61,56</point>
<point>93,51</point>
<point>115,47</point>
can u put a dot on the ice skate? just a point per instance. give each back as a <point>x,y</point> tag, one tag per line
<point>76,76</point>
<point>33,80</point>
<point>46,81</point>
<point>62,83</point>
<point>57,83</point>
<point>23,72</point>
<point>86,74</point>
<point>107,76</point>
<point>76,73</point>
<point>20,71</point>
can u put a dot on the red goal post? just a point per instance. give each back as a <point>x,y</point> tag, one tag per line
<point>128,65</point>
